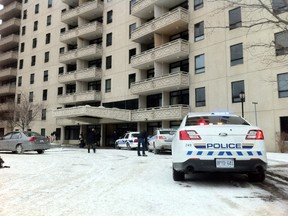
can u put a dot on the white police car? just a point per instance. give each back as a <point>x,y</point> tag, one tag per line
<point>129,141</point>
<point>161,140</point>
<point>218,142</point>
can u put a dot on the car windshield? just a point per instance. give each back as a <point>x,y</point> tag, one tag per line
<point>215,120</point>
<point>135,135</point>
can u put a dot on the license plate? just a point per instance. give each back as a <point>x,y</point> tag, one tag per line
<point>224,163</point>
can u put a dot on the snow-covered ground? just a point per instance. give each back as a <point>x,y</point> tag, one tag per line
<point>71,182</point>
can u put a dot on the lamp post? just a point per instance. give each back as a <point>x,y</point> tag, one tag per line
<point>255,111</point>
<point>242,98</point>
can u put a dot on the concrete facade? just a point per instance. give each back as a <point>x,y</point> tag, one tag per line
<point>130,65</point>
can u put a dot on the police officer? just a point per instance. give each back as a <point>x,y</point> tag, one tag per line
<point>142,140</point>
<point>91,140</point>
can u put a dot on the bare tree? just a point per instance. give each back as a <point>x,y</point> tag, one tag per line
<point>26,112</point>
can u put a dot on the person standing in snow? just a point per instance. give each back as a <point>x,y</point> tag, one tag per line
<point>142,139</point>
<point>91,140</point>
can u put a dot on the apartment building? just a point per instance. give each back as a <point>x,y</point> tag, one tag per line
<point>131,65</point>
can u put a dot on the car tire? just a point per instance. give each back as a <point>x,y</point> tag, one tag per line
<point>19,149</point>
<point>256,177</point>
<point>178,176</point>
<point>128,146</point>
<point>40,151</point>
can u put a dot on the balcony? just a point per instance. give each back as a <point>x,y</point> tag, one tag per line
<point>7,89</point>
<point>99,112</point>
<point>9,42</point>
<point>89,11</point>
<point>88,53</point>
<point>8,73</point>
<point>11,10</point>
<point>88,32</point>
<point>9,27</point>
<point>170,23</point>
<point>88,74</point>
<point>89,96</point>
<point>145,8</point>
<point>8,57</point>
<point>168,82</point>
<point>173,112</point>
<point>170,52</point>
<point>72,3</point>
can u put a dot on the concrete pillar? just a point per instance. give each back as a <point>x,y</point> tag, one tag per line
<point>159,11</point>
<point>165,99</point>
<point>103,138</point>
<point>142,102</point>
<point>165,124</point>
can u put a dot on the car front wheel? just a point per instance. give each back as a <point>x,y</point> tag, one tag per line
<point>40,151</point>
<point>178,176</point>
<point>19,149</point>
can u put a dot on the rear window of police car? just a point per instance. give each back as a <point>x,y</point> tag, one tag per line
<point>215,120</point>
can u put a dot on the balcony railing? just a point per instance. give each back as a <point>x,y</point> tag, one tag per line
<point>87,53</point>
<point>88,74</point>
<point>168,53</point>
<point>79,97</point>
<point>8,89</point>
<point>9,42</point>
<point>169,82</point>
<point>171,22</point>
<point>173,112</point>
<point>89,10</point>
<point>8,73</point>
<point>12,25</point>
<point>11,10</point>
<point>88,32</point>
<point>8,57</point>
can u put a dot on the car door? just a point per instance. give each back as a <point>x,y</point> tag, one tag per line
<point>4,142</point>
<point>13,141</point>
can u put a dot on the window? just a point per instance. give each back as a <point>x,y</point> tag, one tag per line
<point>33,60</point>
<point>44,94</point>
<point>154,100</point>
<point>30,96</point>
<point>179,97</point>
<point>132,2</point>
<point>25,14</point>
<point>43,115</point>
<point>282,80</point>
<point>281,43</point>
<point>108,85</point>
<point>34,43</point>
<point>20,81</point>
<point>108,62</point>
<point>109,39</point>
<point>60,91</point>
<point>131,79</point>
<point>237,87</point>
<point>36,8</point>
<point>23,30</point>
<point>18,98</point>
<point>49,3</point>
<point>279,6</point>
<point>95,85</point>
<point>46,57</point>
<point>48,20</point>
<point>25,1</point>
<point>179,66</point>
<point>200,97</point>
<point>199,64</point>
<point>32,78</point>
<point>236,54</point>
<point>48,38</point>
<point>21,61</point>
<point>132,52</point>
<point>45,76</point>
<point>199,31</point>
<point>22,47</point>
<point>62,50</point>
<point>35,27</point>
<point>132,27</point>
<point>198,4</point>
<point>109,16</point>
<point>235,18</point>
<point>61,70</point>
